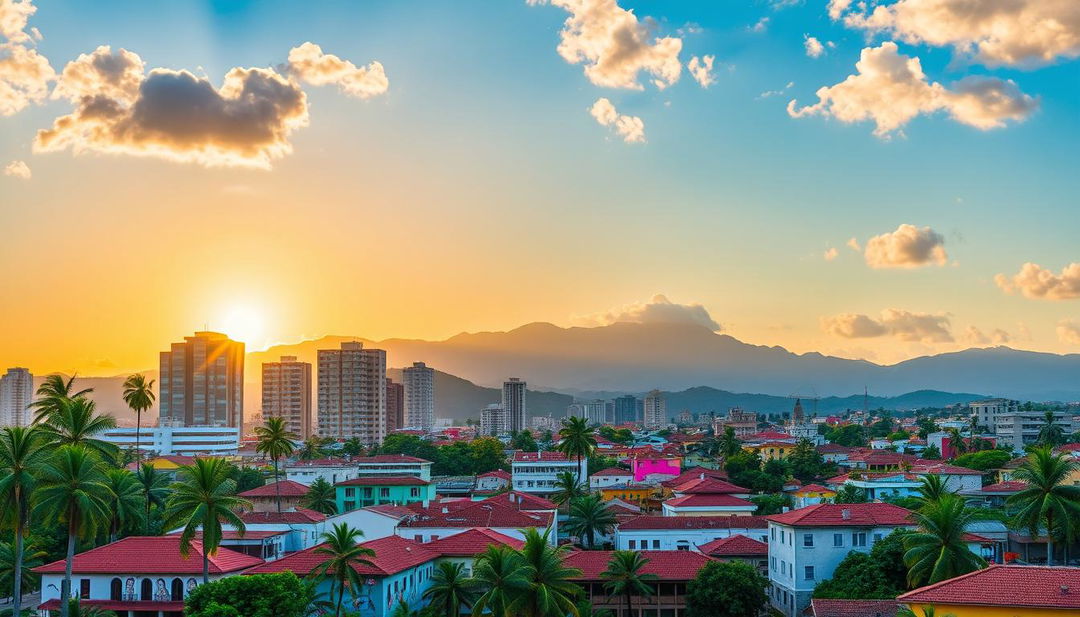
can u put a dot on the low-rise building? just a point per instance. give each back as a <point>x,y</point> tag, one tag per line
<point>392,465</point>
<point>685,532</point>
<point>1005,591</point>
<point>994,495</point>
<point>448,519</point>
<point>811,495</point>
<point>333,470</point>
<point>265,498</point>
<point>669,571</point>
<point>629,492</point>
<point>609,477</point>
<point>536,472</point>
<point>708,505</point>
<point>739,548</point>
<point>491,482</point>
<point>168,440</point>
<point>821,607</point>
<point>383,489</point>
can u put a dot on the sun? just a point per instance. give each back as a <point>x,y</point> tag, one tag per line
<point>245,324</point>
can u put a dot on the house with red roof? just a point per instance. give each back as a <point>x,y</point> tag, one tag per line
<point>670,572</point>
<point>739,548</point>
<point>994,495</point>
<point>807,544</point>
<point>708,505</point>
<point>382,489</point>
<point>609,477</point>
<point>333,470</point>
<point>491,482</point>
<point>138,575</point>
<point>811,495</point>
<point>1021,591</point>
<point>443,520</point>
<point>685,532</point>
<point>264,498</point>
<point>821,607</point>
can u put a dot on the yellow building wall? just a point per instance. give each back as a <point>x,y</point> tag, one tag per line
<point>940,610</point>
<point>768,453</point>
<point>631,495</point>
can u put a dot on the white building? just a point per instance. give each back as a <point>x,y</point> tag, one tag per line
<point>611,476</point>
<point>178,440</point>
<point>513,404</point>
<point>331,470</point>
<point>392,465</point>
<point>655,410</point>
<point>685,533</point>
<point>1017,428</point>
<point>493,420</point>
<point>536,472</point>
<point>352,393</point>
<point>806,545</point>
<point>986,411</point>
<point>419,380</point>
<point>16,394</point>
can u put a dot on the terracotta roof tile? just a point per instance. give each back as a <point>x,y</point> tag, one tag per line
<point>665,565</point>
<point>288,488</point>
<point>854,608</point>
<point>151,555</point>
<point>707,501</point>
<point>709,486</point>
<point>833,515</point>
<point>736,545</point>
<point>392,555</point>
<point>389,458</point>
<point>471,542</point>
<point>478,514</point>
<point>695,522</point>
<point>1043,587</point>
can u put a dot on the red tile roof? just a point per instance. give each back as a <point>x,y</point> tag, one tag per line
<point>498,473</point>
<point>709,501</point>
<point>612,471</point>
<point>1006,586</point>
<point>389,458</point>
<point>709,486</point>
<point>151,555</point>
<point>858,515</point>
<point>854,608</point>
<point>664,565</point>
<point>471,542</point>
<point>228,534</point>
<point>694,473</point>
<point>288,489</point>
<point>532,457</point>
<point>695,522</point>
<point>320,462</point>
<point>736,545</point>
<point>833,448</point>
<point>479,514</point>
<point>294,516</point>
<point>944,469</point>
<point>521,501</point>
<point>814,488</point>
<point>392,555</point>
<point>394,510</point>
<point>385,481</point>
<point>1012,486</point>
<point>972,537</point>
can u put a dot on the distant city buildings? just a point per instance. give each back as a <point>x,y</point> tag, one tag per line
<point>493,421</point>
<point>178,440</point>
<point>419,380</point>
<point>655,410</point>
<point>595,412</point>
<point>986,411</point>
<point>544,423</point>
<point>626,409</point>
<point>286,393</point>
<point>16,394</point>
<point>395,405</point>
<point>742,422</point>
<point>513,403</point>
<point>352,393</point>
<point>202,382</point>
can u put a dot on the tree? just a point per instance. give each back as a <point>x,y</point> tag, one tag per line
<point>728,444</point>
<point>275,441</point>
<point>806,463</point>
<point>726,589</point>
<point>931,453</point>
<point>849,493</point>
<point>937,551</point>
<point>256,595</point>
<point>926,426</point>
<point>567,488</point>
<point>343,556</point>
<point>139,396</point>
<point>73,491</point>
<point>850,435</point>
<point>154,486</point>
<point>932,490</point>
<point>589,517</point>
<point>523,440</point>
<point>75,423</point>
<point>770,504</point>
<point>486,454</point>
<point>351,446</point>
<point>246,478</point>
<point>500,573</point>
<point>19,569</point>
<point>1051,434</point>
<point>956,442</point>
<point>202,498</point>
<point>52,393</point>
<point>125,501</point>
<point>312,448</point>
<point>21,455</point>
<point>925,611</point>
<point>551,590</point>
<point>450,589</point>
<point>624,577</point>
<point>576,438</point>
<point>984,460</point>
<point>859,577</point>
<point>1048,502</point>
<point>321,497</point>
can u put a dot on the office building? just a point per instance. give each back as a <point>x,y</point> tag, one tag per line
<point>202,382</point>
<point>395,405</point>
<point>626,409</point>
<point>986,411</point>
<point>177,440</point>
<point>352,393</point>
<point>655,410</point>
<point>419,380</point>
<point>493,421</point>
<point>513,403</point>
<point>286,393</point>
<point>1016,428</point>
<point>16,394</point>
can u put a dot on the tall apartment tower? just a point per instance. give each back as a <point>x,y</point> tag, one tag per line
<point>513,404</point>
<point>352,393</point>
<point>395,405</point>
<point>16,394</point>
<point>493,421</point>
<point>419,381</point>
<point>655,410</point>
<point>286,393</point>
<point>202,381</point>
<point>626,409</point>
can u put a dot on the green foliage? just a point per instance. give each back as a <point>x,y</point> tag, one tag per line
<point>258,595</point>
<point>321,497</point>
<point>937,551</point>
<point>850,493</point>
<point>450,589</point>
<point>409,445</point>
<point>926,426</point>
<point>898,436</point>
<point>858,576</point>
<point>806,463</point>
<point>202,498</point>
<point>850,435</point>
<point>589,517</point>
<point>523,440</point>
<point>550,590</point>
<point>984,460</point>
<point>500,573</point>
<point>577,439</point>
<point>931,453</point>
<point>623,577</point>
<point>599,462</point>
<point>881,428</point>
<point>771,504</point>
<point>621,436</point>
<point>726,589</point>
<point>343,553</point>
<point>1049,502</point>
<point>567,488</point>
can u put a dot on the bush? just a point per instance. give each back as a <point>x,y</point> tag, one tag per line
<point>726,589</point>
<point>258,595</point>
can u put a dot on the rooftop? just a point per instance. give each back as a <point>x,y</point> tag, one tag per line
<point>533,457</point>
<point>288,488</point>
<point>320,462</point>
<point>389,458</point>
<point>521,501</point>
<point>392,555</point>
<point>151,555</point>
<point>385,481</point>
<point>479,514</point>
<point>497,473</point>
<point>853,608</point>
<point>709,501</point>
<point>814,488</point>
<point>736,545</point>
<point>1043,587</point>
<point>695,522</point>
<point>288,517</point>
<point>709,486</point>
<point>612,471</point>
<point>845,515</point>
<point>664,565</point>
<point>471,542</point>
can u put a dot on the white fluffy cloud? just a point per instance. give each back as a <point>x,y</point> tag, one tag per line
<point>14,15</point>
<point>814,47</point>
<point>900,324</point>
<point>615,46</point>
<point>25,74</point>
<point>1068,331</point>
<point>1035,281</point>
<point>310,65</point>
<point>630,128</point>
<point>974,336</point>
<point>907,247</point>
<point>831,253</point>
<point>17,169</point>
<point>891,89</point>
<point>993,32</point>
<point>701,69</point>
<point>657,310</point>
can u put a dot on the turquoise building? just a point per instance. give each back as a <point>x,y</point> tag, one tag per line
<point>379,490</point>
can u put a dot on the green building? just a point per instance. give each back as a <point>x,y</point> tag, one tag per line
<point>379,490</point>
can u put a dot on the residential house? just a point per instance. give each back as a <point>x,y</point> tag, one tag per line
<point>610,477</point>
<point>670,572</point>
<point>536,472</point>
<point>811,495</point>
<point>265,498</point>
<point>333,470</point>
<point>994,495</point>
<point>1001,591</point>
<point>834,453</point>
<point>739,548</point>
<point>629,492</point>
<point>820,607</point>
<point>443,520</point>
<point>685,532</point>
<point>491,482</point>
<point>464,547</point>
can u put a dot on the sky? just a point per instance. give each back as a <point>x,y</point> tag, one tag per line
<point>876,182</point>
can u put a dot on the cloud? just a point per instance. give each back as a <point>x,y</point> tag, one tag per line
<point>993,32</point>
<point>900,324</point>
<point>975,336</point>
<point>831,253</point>
<point>25,74</point>
<point>310,65</point>
<point>853,244</point>
<point>17,169</point>
<point>1068,331</point>
<point>615,46</point>
<point>1035,281</point>
<point>657,310</point>
<point>14,16</point>
<point>814,47</point>
<point>891,89</point>
<point>630,128</point>
<point>701,69</point>
<point>907,247</point>
<point>760,26</point>
<point>769,93</point>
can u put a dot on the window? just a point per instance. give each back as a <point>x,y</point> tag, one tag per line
<point>177,594</point>
<point>808,573</point>
<point>808,540</point>
<point>384,492</point>
<point>781,536</point>
<point>682,545</point>
<point>116,589</point>
<point>772,533</point>
<point>877,537</point>
<point>858,539</point>
<point>633,544</point>
<point>414,492</point>
<point>772,563</point>
<point>656,545</point>
<point>783,567</point>
<point>838,539</point>
<point>84,588</point>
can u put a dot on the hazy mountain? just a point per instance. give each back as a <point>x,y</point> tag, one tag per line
<point>109,395</point>
<point>704,399</point>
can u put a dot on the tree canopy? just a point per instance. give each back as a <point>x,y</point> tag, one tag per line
<point>726,589</point>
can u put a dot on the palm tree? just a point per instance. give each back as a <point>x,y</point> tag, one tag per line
<point>21,454</point>
<point>450,589</point>
<point>625,578</point>
<point>202,498</point>
<point>926,611</point>
<point>728,443</point>
<point>932,491</point>
<point>551,591</point>
<point>21,569</point>
<point>344,555</point>
<point>937,551</point>
<point>849,493</point>
<point>956,441</point>
<point>577,439</point>
<point>1051,434</point>
<point>51,393</point>
<point>154,486</point>
<point>311,449</point>
<point>139,396</point>
<point>126,501</point>
<point>567,488</point>
<point>589,517</point>
<point>275,441</point>
<point>1048,499</point>
<point>76,422</point>
<point>500,573</point>
<point>321,497</point>
<point>73,491</point>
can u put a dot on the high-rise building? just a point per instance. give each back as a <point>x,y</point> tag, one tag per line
<point>352,393</point>
<point>395,405</point>
<point>202,382</point>
<point>493,421</point>
<point>419,382</point>
<point>16,394</point>
<point>655,410</point>
<point>626,409</point>
<point>513,403</point>
<point>286,393</point>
